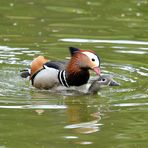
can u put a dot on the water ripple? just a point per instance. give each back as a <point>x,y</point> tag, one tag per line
<point>34,107</point>
<point>66,9</point>
<point>85,127</point>
<point>78,40</point>
<point>20,17</point>
<point>11,55</point>
<point>131,52</point>
<point>130,104</point>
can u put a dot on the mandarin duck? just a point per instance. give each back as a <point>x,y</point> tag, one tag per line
<point>45,74</point>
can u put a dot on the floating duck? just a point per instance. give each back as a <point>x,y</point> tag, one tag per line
<point>101,81</point>
<point>45,74</point>
<point>92,87</point>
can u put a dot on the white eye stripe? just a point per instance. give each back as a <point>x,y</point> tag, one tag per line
<point>92,57</point>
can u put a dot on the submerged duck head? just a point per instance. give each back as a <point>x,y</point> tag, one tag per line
<point>103,80</point>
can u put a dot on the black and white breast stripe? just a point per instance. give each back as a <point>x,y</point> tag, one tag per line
<point>62,78</point>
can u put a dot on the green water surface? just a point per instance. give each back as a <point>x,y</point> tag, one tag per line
<point>117,117</point>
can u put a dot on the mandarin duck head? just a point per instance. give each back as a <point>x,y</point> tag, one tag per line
<point>78,67</point>
<point>84,60</point>
<point>103,80</point>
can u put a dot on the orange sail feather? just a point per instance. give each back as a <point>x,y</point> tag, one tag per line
<point>37,64</point>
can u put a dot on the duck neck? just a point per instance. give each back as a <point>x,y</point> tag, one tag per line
<point>94,88</point>
<point>75,75</point>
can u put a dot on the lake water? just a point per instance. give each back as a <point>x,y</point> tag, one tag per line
<point>116,117</point>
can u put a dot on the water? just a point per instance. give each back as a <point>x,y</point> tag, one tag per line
<point>115,117</point>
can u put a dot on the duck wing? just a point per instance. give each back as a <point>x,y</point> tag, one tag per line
<point>39,63</point>
<point>59,65</point>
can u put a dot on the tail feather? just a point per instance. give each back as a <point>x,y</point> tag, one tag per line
<point>25,73</point>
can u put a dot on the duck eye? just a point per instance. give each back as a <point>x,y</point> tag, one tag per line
<point>93,59</point>
<point>103,79</point>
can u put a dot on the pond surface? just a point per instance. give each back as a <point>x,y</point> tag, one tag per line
<point>115,117</point>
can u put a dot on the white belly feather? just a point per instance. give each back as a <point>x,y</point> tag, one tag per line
<point>46,78</point>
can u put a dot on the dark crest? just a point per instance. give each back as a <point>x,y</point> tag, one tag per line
<point>73,50</point>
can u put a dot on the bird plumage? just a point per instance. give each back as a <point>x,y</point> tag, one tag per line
<point>98,83</point>
<point>37,64</point>
<point>94,85</point>
<point>46,74</point>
